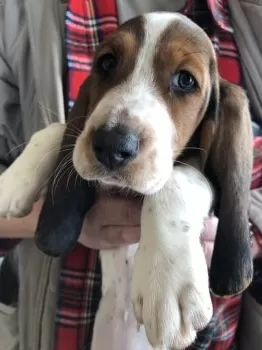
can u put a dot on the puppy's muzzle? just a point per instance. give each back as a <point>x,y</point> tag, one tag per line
<point>115,147</point>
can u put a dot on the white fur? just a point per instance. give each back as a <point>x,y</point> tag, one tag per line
<point>170,280</point>
<point>22,183</point>
<point>169,290</point>
<point>115,324</point>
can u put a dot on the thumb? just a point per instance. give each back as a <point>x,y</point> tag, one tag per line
<point>121,235</point>
<point>110,237</point>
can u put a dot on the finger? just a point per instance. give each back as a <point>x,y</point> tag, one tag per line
<point>208,248</point>
<point>117,211</point>
<point>111,237</point>
<point>93,243</point>
<point>210,229</point>
<point>255,248</point>
<point>122,235</point>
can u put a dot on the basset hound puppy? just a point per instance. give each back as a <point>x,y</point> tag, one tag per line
<point>155,118</point>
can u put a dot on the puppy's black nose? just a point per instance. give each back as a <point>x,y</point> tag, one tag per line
<point>116,147</point>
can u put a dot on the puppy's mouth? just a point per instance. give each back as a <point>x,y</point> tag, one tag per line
<point>111,180</point>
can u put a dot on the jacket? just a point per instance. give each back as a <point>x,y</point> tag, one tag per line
<point>31,94</point>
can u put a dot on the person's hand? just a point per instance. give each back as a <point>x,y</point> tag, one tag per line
<point>112,222</point>
<point>208,237</point>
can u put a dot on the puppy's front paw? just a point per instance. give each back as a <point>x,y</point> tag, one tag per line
<point>170,297</point>
<point>22,183</point>
<point>18,190</point>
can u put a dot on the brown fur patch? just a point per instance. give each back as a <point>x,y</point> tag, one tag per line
<point>179,48</point>
<point>124,44</point>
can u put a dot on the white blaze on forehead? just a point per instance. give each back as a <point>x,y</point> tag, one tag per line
<point>138,90</point>
<point>154,26</point>
<point>137,94</point>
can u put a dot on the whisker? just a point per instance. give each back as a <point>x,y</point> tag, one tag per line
<point>76,178</point>
<point>58,116</point>
<point>45,156</point>
<point>48,110</point>
<point>54,187</point>
<point>74,130</point>
<point>60,169</point>
<point>69,176</point>
<point>198,171</point>
<point>61,166</point>
<point>67,148</point>
<point>74,136</point>
<point>78,117</point>
<point>45,183</point>
<point>75,118</point>
<point>195,148</point>
<point>16,147</point>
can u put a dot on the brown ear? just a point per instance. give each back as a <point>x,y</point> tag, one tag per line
<point>68,197</point>
<point>81,105</point>
<point>229,167</point>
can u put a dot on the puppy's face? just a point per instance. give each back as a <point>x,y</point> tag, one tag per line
<point>150,87</point>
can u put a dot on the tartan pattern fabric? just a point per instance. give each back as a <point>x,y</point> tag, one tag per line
<point>257,165</point>
<point>257,178</point>
<point>221,330</point>
<point>213,17</point>
<point>87,23</point>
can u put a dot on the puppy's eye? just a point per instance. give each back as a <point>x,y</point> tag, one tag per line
<point>107,64</point>
<point>183,82</point>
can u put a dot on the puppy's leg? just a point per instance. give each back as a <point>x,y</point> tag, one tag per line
<point>22,182</point>
<point>170,291</point>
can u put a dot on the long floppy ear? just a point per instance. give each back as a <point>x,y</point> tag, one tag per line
<point>229,167</point>
<point>68,197</point>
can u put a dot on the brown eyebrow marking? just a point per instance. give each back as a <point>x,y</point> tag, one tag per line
<point>136,27</point>
<point>125,43</point>
<point>182,46</point>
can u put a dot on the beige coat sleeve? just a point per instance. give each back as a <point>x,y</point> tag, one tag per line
<point>31,71</point>
<point>31,96</point>
<point>246,16</point>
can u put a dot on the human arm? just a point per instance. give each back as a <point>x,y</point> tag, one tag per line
<point>10,137</point>
<point>112,222</point>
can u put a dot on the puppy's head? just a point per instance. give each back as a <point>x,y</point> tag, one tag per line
<point>149,89</point>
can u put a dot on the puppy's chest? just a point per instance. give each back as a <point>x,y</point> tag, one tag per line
<point>115,324</point>
<point>117,266</point>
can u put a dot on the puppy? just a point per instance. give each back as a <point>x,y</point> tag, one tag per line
<point>154,118</point>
